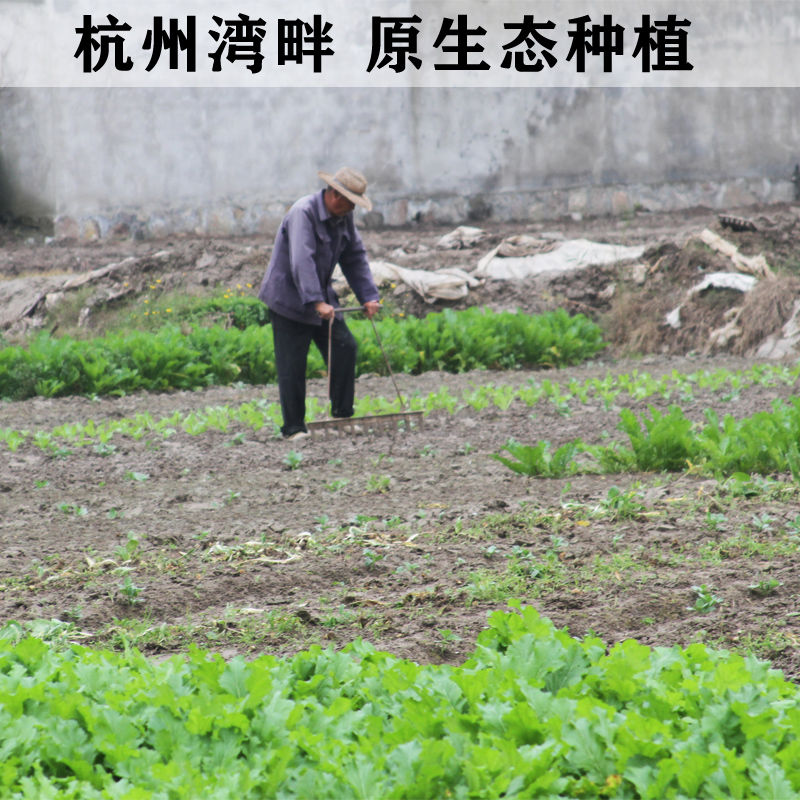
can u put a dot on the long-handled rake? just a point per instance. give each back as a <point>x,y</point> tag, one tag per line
<point>373,423</point>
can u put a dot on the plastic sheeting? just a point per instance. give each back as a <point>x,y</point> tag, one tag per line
<point>714,280</point>
<point>568,256</point>
<point>515,258</point>
<point>443,284</point>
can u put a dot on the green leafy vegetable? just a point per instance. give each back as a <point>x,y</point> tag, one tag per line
<point>532,713</point>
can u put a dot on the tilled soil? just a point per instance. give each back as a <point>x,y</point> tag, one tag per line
<point>243,543</point>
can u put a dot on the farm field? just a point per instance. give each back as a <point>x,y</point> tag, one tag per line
<point>238,541</point>
<point>164,521</point>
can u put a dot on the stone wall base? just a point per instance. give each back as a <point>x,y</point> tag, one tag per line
<point>239,219</point>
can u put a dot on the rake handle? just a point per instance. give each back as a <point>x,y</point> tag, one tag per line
<point>386,360</point>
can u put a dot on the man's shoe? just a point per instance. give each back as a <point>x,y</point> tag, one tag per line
<point>297,435</point>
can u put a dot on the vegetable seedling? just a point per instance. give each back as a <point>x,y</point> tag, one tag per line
<point>130,549</point>
<point>620,504</point>
<point>378,483</point>
<point>714,520</point>
<point>371,558</point>
<point>447,638</point>
<point>139,477</point>
<point>705,599</point>
<point>72,508</point>
<point>765,587</point>
<point>762,523</point>
<point>130,591</point>
<point>293,459</point>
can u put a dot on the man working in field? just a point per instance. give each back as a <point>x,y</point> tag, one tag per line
<point>317,233</point>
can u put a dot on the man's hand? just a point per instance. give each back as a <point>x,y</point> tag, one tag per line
<point>325,310</point>
<point>371,308</point>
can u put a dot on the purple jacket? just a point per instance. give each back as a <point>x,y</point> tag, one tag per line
<point>309,244</point>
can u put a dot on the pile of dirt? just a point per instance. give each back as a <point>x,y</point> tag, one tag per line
<point>765,311</point>
<point>714,320</point>
<point>630,300</point>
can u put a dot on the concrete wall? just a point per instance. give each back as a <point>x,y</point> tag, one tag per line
<point>25,158</point>
<point>229,159</point>
<point>156,160</point>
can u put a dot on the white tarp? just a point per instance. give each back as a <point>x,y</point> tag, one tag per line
<point>515,258</point>
<point>568,256</point>
<point>450,283</point>
<point>724,280</point>
<point>463,236</point>
<point>714,280</point>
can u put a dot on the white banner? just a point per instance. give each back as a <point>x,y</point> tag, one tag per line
<point>433,43</point>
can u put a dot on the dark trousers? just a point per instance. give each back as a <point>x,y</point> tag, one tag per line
<point>292,340</point>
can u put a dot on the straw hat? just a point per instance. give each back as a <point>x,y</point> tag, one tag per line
<point>351,184</point>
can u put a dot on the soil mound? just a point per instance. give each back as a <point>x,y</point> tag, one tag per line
<point>631,300</point>
<point>765,311</point>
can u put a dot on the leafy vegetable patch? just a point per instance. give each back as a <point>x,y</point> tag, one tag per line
<point>533,713</point>
<point>764,443</point>
<point>169,359</point>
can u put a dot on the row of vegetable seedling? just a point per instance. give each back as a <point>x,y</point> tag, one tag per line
<point>170,359</point>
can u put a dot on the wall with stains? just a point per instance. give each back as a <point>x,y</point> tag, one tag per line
<point>230,160</point>
<point>150,161</point>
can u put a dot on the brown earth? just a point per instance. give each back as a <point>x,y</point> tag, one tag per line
<point>242,542</point>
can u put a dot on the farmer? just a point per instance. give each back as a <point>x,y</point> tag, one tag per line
<point>317,233</point>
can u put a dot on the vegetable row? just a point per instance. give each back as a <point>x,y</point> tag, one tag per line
<point>765,442</point>
<point>171,359</point>
<point>259,413</point>
<point>532,713</point>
